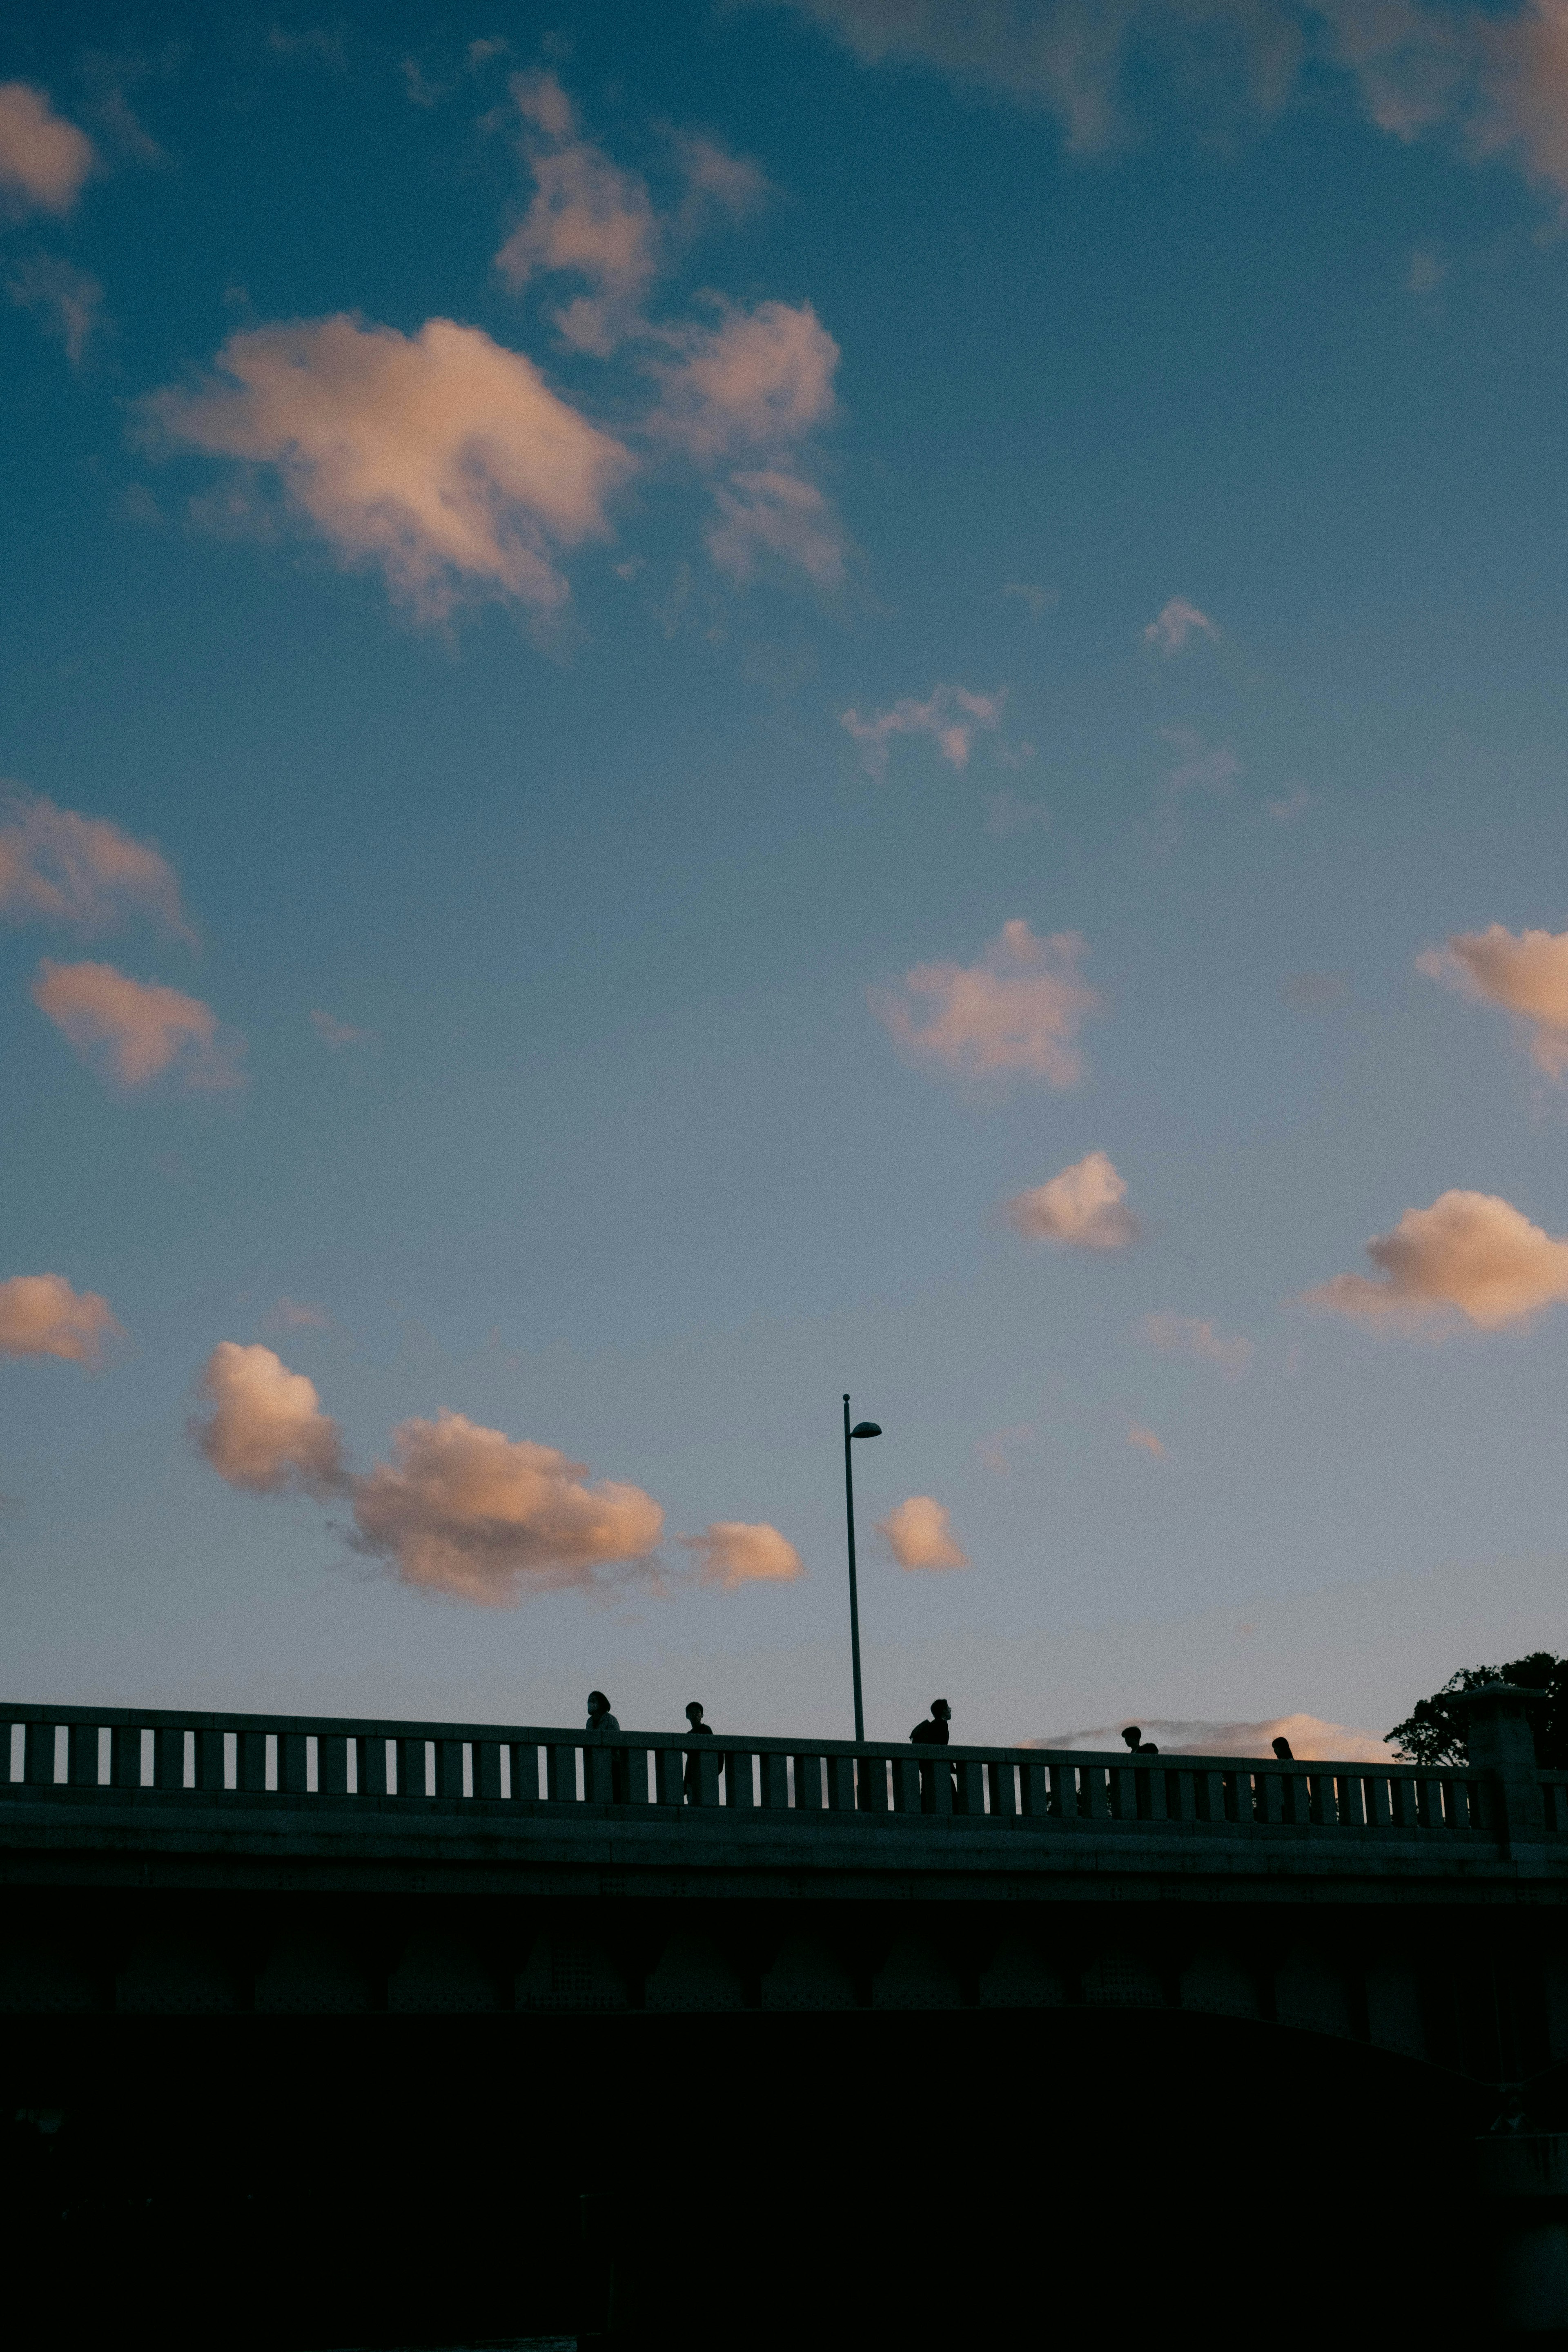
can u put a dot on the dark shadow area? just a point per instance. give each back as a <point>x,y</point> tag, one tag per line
<point>284,2185</point>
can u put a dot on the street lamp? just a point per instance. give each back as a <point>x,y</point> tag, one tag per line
<point>861,1429</point>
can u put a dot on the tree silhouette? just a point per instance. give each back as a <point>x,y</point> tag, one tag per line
<point>1434,1732</point>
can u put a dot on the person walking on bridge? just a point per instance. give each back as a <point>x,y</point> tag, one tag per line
<point>699,1730</point>
<point>931,1733</point>
<point>599,1716</point>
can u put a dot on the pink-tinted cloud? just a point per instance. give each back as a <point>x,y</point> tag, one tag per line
<point>918,1534</point>
<point>588,219</point>
<point>1175,623</point>
<point>469,1511</point>
<point>337,1033</point>
<point>41,1315</point>
<point>293,1314</point>
<point>58,866</point>
<point>67,301</point>
<point>265,1432</point>
<point>1469,1253</point>
<point>774,512</point>
<point>1015,1012</point>
<point>759,380</point>
<point>1527,975</point>
<point>1311,1739</point>
<point>134,1031</point>
<point>1083,1207</point>
<point>951,716</point>
<point>1146,1441</point>
<point>731,1552</point>
<point>44,159</point>
<point>442,458</point>
<point>1185,1335</point>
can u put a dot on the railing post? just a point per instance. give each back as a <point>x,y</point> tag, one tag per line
<point>211,1775</point>
<point>125,1756</point>
<point>1502,1746</point>
<point>525,1771</point>
<point>370,1765</point>
<point>969,1795</point>
<point>738,1793</point>
<point>841,1784</point>
<point>411,1776</point>
<point>38,1755</point>
<point>773,1773</point>
<point>449,1767</point>
<point>81,1755</point>
<point>292,1779</point>
<point>168,1758</point>
<point>670,1776</point>
<point>1064,1791</point>
<point>808,1784</point>
<point>487,1770</point>
<point>331,1764</point>
<point>560,1773</point>
<point>251,1762</point>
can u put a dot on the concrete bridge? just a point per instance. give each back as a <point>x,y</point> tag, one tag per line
<point>520,1942</point>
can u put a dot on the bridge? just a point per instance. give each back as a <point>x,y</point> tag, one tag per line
<point>469,1954</point>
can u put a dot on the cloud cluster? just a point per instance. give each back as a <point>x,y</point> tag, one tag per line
<point>1469,1253</point>
<point>44,159</point>
<point>61,867</point>
<point>918,1534</point>
<point>1527,975</point>
<point>134,1031</point>
<point>265,1432</point>
<point>1015,1012</point>
<point>1084,1206</point>
<point>41,1315</point>
<point>950,715</point>
<point>1311,1739</point>
<point>731,1552</point>
<point>1175,623</point>
<point>441,458</point>
<point>1185,1335</point>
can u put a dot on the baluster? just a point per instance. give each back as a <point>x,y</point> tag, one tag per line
<point>560,1773</point>
<point>670,1775</point>
<point>1352,1807</point>
<point>738,1790</point>
<point>1064,1791</point>
<point>703,1766</point>
<point>1324,1799</point>
<point>871,1783</point>
<point>371,1762</point>
<point>251,1762</point>
<point>1032,1790</point>
<point>1211,1788</point>
<point>1402,1794</point>
<point>212,1762</point>
<point>773,1773</point>
<point>81,1755</point>
<point>1095,1791</point>
<point>906,1784</point>
<point>412,1779</point>
<point>841,1784</point>
<point>168,1758</point>
<point>1242,1795</point>
<point>125,1756</point>
<point>936,1783</point>
<point>1123,1783</point>
<point>1270,1797</point>
<point>598,1773</point>
<point>487,1771</point>
<point>449,1767</point>
<point>1377,1811</point>
<point>294,1764</point>
<point>38,1755</point>
<point>969,1794</point>
<point>631,1776</point>
<point>1182,1787</point>
<point>525,1771</point>
<point>808,1784</point>
<point>1001,1790</point>
<point>1432,1804</point>
<point>331,1764</point>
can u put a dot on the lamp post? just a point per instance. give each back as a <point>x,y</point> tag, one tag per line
<point>861,1429</point>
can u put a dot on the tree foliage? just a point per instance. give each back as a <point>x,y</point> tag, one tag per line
<point>1434,1732</point>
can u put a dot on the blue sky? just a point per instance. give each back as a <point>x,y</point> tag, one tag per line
<point>554,561</point>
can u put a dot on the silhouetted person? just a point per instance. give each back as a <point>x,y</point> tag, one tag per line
<point>931,1733</point>
<point>699,1730</point>
<point>599,1716</point>
<point>1282,1748</point>
<point>1137,1745</point>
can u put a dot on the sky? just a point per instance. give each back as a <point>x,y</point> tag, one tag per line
<point>705,706</point>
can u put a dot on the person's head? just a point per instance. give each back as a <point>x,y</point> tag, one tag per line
<point>1133,1735</point>
<point>694,1710</point>
<point>1283,1750</point>
<point>597,1703</point>
<point>939,1711</point>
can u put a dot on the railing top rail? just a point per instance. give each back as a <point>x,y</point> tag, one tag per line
<point>723,1743</point>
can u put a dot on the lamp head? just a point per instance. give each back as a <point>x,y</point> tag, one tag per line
<point>866,1429</point>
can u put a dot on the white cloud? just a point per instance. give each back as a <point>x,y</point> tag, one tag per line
<point>1311,1739</point>
<point>443,458</point>
<point>41,1315</point>
<point>1083,1205</point>
<point>265,1432</point>
<point>1017,1011</point>
<point>731,1552</point>
<point>68,301</point>
<point>466,1510</point>
<point>134,1031</point>
<point>951,716</point>
<point>1470,1253</point>
<point>58,866</point>
<point>1527,975</point>
<point>918,1534</point>
<point>1175,623</point>
<point>44,159</point>
<point>1185,1335</point>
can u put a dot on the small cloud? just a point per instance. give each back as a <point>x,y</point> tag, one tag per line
<point>1185,1334</point>
<point>1427,270</point>
<point>44,159</point>
<point>1008,813</point>
<point>1206,768</point>
<point>334,1033</point>
<point>134,1031</point>
<point>1315,991</point>
<point>265,1432</point>
<point>68,301</point>
<point>918,1534</point>
<point>951,716</point>
<point>1082,1206</point>
<point>293,1314</point>
<point>731,1553</point>
<point>1038,599</point>
<point>774,512</point>
<point>993,1450</point>
<point>57,866</point>
<point>1527,975</point>
<point>1175,623</point>
<point>1145,1438</point>
<point>1017,1011</point>
<point>41,1315</point>
<point>717,180</point>
<point>1470,1253</point>
<point>1293,807</point>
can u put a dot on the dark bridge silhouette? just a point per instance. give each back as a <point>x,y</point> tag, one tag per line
<point>248,1941</point>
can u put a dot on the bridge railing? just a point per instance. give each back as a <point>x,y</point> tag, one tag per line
<point>118,1756</point>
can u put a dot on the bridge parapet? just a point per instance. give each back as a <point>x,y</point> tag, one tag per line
<point>109,1757</point>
